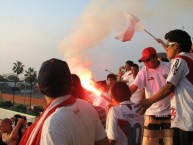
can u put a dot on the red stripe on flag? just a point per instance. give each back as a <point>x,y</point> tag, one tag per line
<point>128,33</point>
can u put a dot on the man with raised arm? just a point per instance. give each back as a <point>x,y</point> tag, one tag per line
<point>179,83</point>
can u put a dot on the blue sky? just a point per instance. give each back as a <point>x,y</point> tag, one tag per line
<point>82,31</point>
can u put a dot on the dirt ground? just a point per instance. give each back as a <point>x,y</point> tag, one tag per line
<point>24,100</point>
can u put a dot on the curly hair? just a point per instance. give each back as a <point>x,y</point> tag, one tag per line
<point>181,37</point>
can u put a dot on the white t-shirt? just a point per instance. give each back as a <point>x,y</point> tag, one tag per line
<point>78,124</point>
<point>124,124</point>
<point>182,100</point>
<point>153,80</point>
<point>138,95</point>
<point>126,77</point>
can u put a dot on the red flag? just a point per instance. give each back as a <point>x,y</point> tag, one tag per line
<point>135,25</point>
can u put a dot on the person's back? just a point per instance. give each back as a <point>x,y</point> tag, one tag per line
<point>129,126</point>
<point>66,120</point>
<point>124,123</point>
<point>73,125</point>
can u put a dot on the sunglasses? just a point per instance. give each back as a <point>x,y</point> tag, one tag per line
<point>150,58</point>
<point>170,43</point>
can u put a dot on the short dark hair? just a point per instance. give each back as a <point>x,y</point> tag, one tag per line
<point>181,37</point>
<point>101,85</point>
<point>120,91</point>
<point>54,78</point>
<point>135,65</point>
<point>129,62</point>
<point>112,76</point>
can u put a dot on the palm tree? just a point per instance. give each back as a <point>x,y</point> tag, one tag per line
<point>30,77</point>
<point>17,69</point>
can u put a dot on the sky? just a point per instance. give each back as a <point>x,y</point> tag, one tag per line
<point>82,32</point>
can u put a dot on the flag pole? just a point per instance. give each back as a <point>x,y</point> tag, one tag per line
<point>150,34</point>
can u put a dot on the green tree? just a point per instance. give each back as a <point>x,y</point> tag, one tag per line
<point>17,69</point>
<point>30,77</point>
<point>2,78</point>
<point>12,78</point>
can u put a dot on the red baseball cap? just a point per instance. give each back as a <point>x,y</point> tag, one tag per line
<point>147,52</point>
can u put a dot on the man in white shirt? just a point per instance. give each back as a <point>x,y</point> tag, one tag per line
<point>180,83</point>
<point>157,118</point>
<point>125,72</point>
<point>66,120</point>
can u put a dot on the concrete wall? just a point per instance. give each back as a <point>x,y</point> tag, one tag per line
<point>4,113</point>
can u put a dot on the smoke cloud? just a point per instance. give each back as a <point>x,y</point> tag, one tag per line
<point>103,18</point>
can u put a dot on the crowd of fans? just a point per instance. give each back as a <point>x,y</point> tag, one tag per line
<point>12,129</point>
<point>136,107</point>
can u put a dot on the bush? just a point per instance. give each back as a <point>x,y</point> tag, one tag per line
<point>21,108</point>
<point>6,104</point>
<point>37,110</point>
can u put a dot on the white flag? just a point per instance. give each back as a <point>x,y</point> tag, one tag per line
<point>135,25</point>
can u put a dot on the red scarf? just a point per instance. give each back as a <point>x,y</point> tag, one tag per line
<point>37,138</point>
